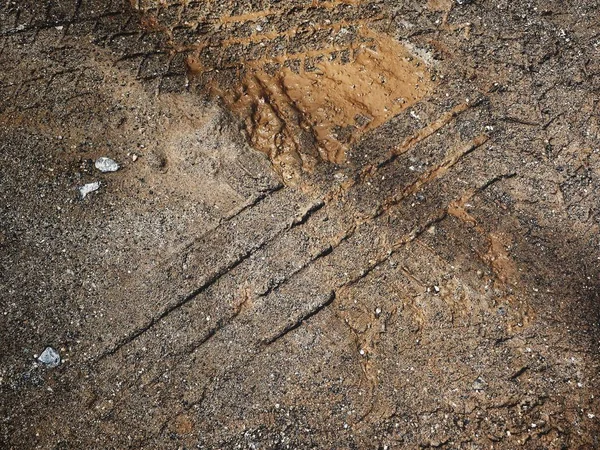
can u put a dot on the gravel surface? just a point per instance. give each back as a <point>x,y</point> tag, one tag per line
<point>299,224</point>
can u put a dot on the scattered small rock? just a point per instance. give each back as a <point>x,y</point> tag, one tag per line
<point>49,357</point>
<point>478,384</point>
<point>89,188</point>
<point>104,164</point>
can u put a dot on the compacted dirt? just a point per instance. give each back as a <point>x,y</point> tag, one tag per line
<point>337,224</point>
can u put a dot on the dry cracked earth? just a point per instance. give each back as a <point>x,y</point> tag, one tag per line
<point>337,224</point>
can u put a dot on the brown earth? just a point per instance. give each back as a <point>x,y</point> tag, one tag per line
<point>341,224</point>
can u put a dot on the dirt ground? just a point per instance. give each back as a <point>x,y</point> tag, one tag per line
<point>336,224</point>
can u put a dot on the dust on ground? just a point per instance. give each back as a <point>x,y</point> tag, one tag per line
<point>340,224</point>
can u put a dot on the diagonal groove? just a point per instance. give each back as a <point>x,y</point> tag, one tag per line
<point>265,343</point>
<point>222,323</point>
<point>292,326</point>
<point>153,321</point>
<point>424,133</point>
<point>385,254</point>
<point>434,173</point>
<point>169,262</point>
<point>408,144</point>
<point>431,175</point>
<point>210,281</point>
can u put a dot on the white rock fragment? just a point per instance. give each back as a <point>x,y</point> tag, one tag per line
<point>88,188</point>
<point>104,164</point>
<point>49,357</point>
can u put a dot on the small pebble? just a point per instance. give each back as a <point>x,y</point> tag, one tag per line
<point>104,164</point>
<point>88,188</point>
<point>49,357</point>
<point>478,384</point>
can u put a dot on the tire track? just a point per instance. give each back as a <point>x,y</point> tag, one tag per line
<point>315,276</point>
<point>302,219</point>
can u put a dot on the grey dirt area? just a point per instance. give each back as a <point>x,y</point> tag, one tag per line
<point>294,224</point>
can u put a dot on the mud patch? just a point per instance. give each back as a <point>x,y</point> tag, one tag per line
<point>305,88</point>
<point>331,103</point>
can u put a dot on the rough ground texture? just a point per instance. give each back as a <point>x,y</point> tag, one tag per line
<point>262,272</point>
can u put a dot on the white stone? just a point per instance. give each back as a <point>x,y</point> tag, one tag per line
<point>49,357</point>
<point>104,164</point>
<point>88,188</point>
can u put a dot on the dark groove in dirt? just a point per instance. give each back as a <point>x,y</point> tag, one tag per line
<point>324,253</point>
<point>425,133</point>
<point>428,176</point>
<point>435,172</point>
<point>210,281</point>
<point>439,170</point>
<point>292,326</point>
<point>266,342</point>
<point>300,220</point>
<point>190,297</point>
<point>167,263</point>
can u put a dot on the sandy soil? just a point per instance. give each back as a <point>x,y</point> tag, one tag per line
<point>336,224</point>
